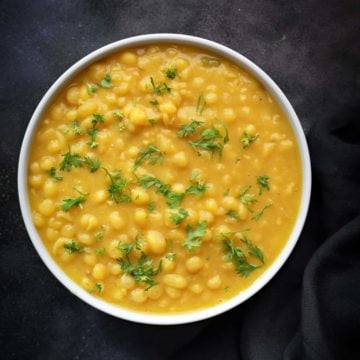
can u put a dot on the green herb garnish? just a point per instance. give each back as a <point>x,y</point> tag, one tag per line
<point>233,214</point>
<point>151,207</point>
<point>207,142</point>
<point>106,82</point>
<point>189,129</point>
<point>76,128</point>
<point>151,154</point>
<point>154,102</point>
<point>53,174</point>
<point>237,256</point>
<point>171,73</point>
<point>178,217</point>
<point>200,104</point>
<point>92,164</point>
<point>198,188</point>
<point>70,160</point>
<point>246,198</point>
<point>117,187</point>
<point>100,251</point>
<point>263,182</point>
<point>70,202</point>
<point>258,215</point>
<point>247,139</point>
<point>72,247</point>
<point>158,89</point>
<point>194,235</point>
<point>143,271</point>
<point>253,250</point>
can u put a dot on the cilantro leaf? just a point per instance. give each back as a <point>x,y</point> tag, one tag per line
<point>258,215</point>
<point>200,104</point>
<point>70,202</point>
<point>52,173</point>
<point>194,235</point>
<point>247,139</point>
<point>151,154</point>
<point>198,188</point>
<point>253,250</point>
<point>189,129</point>
<point>158,89</point>
<point>178,217</point>
<point>106,82</point>
<point>93,164</point>
<point>72,247</point>
<point>263,182</point>
<point>117,187</point>
<point>70,160</point>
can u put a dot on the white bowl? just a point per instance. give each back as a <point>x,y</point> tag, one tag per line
<point>224,52</point>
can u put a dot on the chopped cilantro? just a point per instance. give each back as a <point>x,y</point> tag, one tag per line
<point>151,207</point>
<point>189,129</point>
<point>198,188</point>
<point>158,89</point>
<point>100,251</point>
<point>247,139</point>
<point>53,174</point>
<point>93,164</point>
<point>258,215</point>
<point>72,247</point>
<point>106,82</point>
<point>76,128</point>
<point>117,187</point>
<point>194,235</point>
<point>171,73</point>
<point>70,202</point>
<point>70,160</point>
<point>178,217</point>
<point>151,154</point>
<point>200,104</point>
<point>154,102</point>
<point>233,214</point>
<point>263,182</point>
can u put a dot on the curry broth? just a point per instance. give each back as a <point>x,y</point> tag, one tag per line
<point>212,178</point>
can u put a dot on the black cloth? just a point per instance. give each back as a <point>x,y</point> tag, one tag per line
<point>310,309</point>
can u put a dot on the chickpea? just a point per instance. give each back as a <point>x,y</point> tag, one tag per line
<point>129,58</point>
<point>194,264</point>
<point>99,271</point>
<point>90,259</point>
<point>229,115</point>
<point>173,293</point>
<point>49,188</point>
<point>127,281</point>
<point>99,196</point>
<point>243,212</point>
<point>46,163</point>
<point>139,196</point>
<point>87,284</point>
<point>138,295</point>
<point>155,292</point>
<point>52,234</point>
<point>168,107</point>
<point>156,241</point>
<point>86,239</point>
<point>36,180</point>
<point>138,116</point>
<point>68,231</point>
<point>175,281</point>
<point>206,216</point>
<point>229,202</point>
<point>214,282</point>
<point>47,207</point>
<point>211,205</point>
<point>87,108</point>
<point>38,220</point>
<point>140,217</point>
<point>116,220</point>
<point>180,159</point>
<point>197,288</point>
<point>168,265</point>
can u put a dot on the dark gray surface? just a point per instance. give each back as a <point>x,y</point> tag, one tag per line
<point>307,47</point>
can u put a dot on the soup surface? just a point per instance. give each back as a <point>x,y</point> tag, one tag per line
<point>164,179</point>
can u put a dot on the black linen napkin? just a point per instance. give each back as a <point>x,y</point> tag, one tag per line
<point>311,309</point>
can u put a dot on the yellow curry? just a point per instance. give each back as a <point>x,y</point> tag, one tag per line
<point>164,179</point>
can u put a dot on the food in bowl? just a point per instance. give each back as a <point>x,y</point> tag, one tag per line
<point>164,179</point>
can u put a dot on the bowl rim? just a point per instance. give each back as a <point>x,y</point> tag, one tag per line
<point>183,317</point>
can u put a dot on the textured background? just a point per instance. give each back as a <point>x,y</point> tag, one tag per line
<point>307,47</point>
